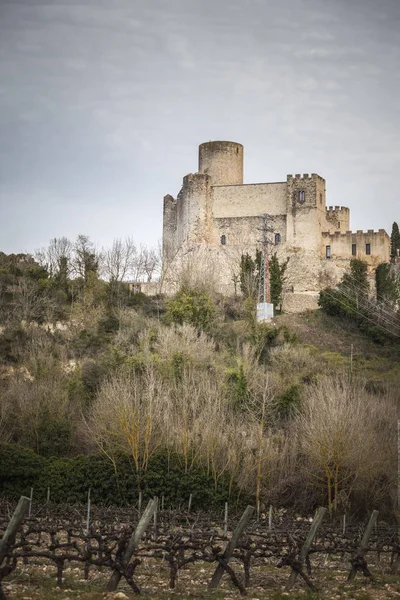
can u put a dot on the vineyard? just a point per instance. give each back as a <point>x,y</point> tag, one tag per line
<point>126,547</point>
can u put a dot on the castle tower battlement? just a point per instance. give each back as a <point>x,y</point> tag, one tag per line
<point>338,217</point>
<point>337,210</point>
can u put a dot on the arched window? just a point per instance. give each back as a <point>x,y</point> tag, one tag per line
<point>277,238</point>
<point>223,240</point>
<point>302,196</point>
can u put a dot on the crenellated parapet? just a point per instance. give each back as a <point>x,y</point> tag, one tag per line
<point>337,211</point>
<point>370,246</point>
<point>380,233</point>
<point>306,176</point>
<point>338,217</point>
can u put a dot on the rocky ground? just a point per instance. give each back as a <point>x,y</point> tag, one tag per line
<point>34,582</point>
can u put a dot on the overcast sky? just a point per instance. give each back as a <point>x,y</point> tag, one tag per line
<point>103,104</point>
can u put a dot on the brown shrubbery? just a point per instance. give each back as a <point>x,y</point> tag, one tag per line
<point>269,417</point>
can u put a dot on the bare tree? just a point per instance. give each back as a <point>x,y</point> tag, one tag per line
<point>150,261</point>
<point>127,416</point>
<point>28,302</point>
<point>57,256</point>
<point>119,261</point>
<point>340,430</point>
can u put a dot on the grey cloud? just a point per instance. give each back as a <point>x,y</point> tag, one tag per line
<point>103,104</point>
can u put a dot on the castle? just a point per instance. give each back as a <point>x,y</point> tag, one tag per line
<point>216,218</point>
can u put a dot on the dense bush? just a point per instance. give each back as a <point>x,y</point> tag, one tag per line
<point>70,478</point>
<point>191,306</point>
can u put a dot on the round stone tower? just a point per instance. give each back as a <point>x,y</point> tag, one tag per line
<point>223,161</point>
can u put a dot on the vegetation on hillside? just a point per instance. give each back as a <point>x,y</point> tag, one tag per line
<point>110,389</point>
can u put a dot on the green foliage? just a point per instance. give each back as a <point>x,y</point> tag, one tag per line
<point>237,389</point>
<point>290,337</point>
<point>54,436</point>
<point>20,265</point>
<point>250,274</point>
<point>356,281</point>
<point>289,402</point>
<point>20,469</point>
<point>178,364</point>
<point>13,342</point>
<point>277,279</point>
<point>387,284</point>
<point>349,300</point>
<point>394,240</point>
<point>263,337</point>
<point>191,306</point>
<point>70,478</point>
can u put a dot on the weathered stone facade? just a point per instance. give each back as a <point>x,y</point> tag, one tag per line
<point>216,218</point>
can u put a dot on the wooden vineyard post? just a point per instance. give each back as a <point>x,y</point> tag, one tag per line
<point>227,555</point>
<point>13,526</point>
<point>319,515</point>
<point>226,520</point>
<point>133,543</point>
<point>89,505</point>
<point>140,505</point>
<point>396,563</point>
<point>358,562</point>
<point>30,503</point>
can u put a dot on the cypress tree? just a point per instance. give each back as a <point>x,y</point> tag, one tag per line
<point>277,278</point>
<point>394,240</point>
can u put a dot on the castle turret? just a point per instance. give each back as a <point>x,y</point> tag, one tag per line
<point>223,161</point>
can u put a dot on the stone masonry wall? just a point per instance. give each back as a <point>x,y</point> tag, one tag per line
<point>341,246</point>
<point>248,200</point>
<point>337,219</point>
<point>222,161</point>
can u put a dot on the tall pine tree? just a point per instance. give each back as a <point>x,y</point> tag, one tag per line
<point>394,240</point>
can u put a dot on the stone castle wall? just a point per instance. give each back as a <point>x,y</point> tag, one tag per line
<point>216,218</point>
<point>345,246</point>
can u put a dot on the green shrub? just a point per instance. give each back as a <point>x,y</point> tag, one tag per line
<point>191,306</point>
<point>20,469</point>
<point>289,402</point>
<point>238,392</point>
<point>70,478</point>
